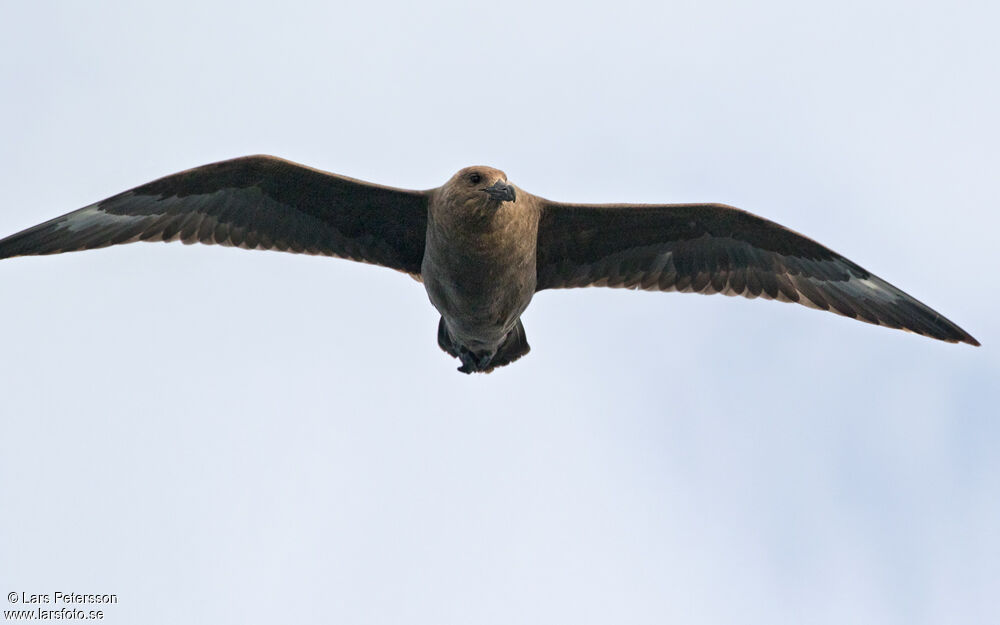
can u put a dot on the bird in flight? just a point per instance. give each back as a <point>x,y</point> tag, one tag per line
<point>483,247</point>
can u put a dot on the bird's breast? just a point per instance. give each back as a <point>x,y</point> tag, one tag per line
<point>480,278</point>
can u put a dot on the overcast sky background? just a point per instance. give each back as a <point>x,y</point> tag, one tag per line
<point>225,436</point>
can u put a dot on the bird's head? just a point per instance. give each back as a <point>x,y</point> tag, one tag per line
<point>480,187</point>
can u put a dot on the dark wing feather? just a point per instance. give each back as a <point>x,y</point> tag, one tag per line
<point>712,248</point>
<point>254,202</point>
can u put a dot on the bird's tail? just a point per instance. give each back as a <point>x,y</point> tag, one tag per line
<point>513,347</point>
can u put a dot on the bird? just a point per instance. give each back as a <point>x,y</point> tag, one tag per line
<point>482,247</point>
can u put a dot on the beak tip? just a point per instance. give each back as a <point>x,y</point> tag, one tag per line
<point>501,191</point>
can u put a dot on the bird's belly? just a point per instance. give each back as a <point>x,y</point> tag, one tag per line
<point>480,302</point>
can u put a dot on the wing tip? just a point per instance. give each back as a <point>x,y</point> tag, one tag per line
<point>952,334</point>
<point>969,340</point>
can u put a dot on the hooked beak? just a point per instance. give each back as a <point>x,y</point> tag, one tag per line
<point>501,191</point>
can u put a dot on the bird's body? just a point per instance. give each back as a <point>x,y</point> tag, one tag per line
<point>483,247</point>
<point>479,264</point>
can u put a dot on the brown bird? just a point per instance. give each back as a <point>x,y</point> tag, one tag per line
<point>482,247</point>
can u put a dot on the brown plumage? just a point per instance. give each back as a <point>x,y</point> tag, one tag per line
<point>483,247</point>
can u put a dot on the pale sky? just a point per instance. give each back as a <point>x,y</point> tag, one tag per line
<point>235,437</point>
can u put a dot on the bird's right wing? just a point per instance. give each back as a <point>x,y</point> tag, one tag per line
<point>254,202</point>
<point>712,248</point>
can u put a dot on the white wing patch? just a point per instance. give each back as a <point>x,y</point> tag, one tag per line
<point>661,275</point>
<point>93,216</point>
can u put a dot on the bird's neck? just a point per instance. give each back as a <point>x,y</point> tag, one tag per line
<point>487,226</point>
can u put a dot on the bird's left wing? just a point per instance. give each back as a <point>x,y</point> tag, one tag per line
<point>254,202</point>
<point>712,248</point>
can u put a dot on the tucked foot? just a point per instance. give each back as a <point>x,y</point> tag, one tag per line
<point>513,347</point>
<point>468,362</point>
<point>472,362</point>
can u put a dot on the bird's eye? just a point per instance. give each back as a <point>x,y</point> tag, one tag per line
<point>475,178</point>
